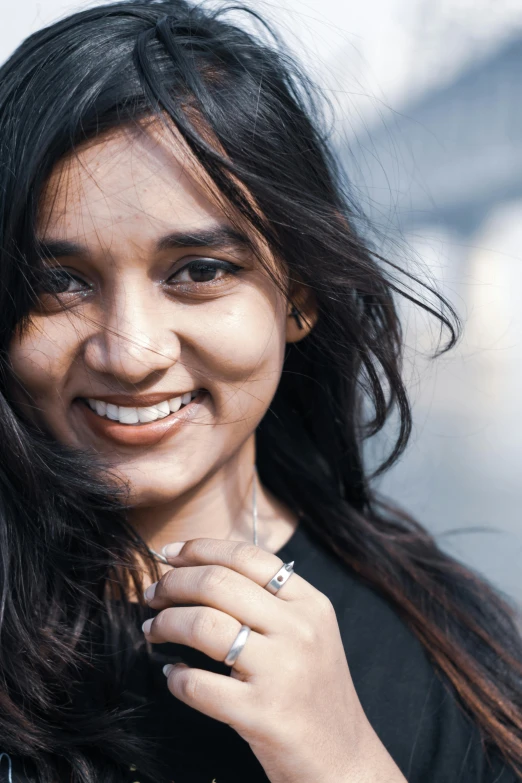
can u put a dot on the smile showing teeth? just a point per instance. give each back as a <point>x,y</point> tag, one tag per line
<point>125,415</point>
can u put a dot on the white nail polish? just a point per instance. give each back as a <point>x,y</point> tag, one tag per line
<point>149,592</point>
<point>171,550</point>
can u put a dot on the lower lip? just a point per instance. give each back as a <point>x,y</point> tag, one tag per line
<point>141,434</point>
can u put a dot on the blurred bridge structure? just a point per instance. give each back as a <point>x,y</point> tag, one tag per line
<point>444,174</point>
<point>454,154</point>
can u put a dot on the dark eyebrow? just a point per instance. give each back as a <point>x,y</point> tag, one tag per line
<point>58,248</point>
<point>220,237</point>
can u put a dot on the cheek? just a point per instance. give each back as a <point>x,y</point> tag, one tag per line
<point>41,357</point>
<point>245,348</point>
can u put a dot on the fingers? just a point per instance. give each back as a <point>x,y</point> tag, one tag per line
<point>208,630</point>
<point>221,698</point>
<point>220,588</point>
<point>256,564</point>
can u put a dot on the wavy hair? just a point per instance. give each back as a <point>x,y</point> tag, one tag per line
<point>245,111</point>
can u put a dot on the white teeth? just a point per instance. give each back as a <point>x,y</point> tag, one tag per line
<point>147,414</point>
<point>113,412</point>
<point>163,409</point>
<point>175,404</point>
<point>129,415</point>
<point>101,407</point>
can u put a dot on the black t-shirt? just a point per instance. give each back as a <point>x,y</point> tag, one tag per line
<point>413,710</point>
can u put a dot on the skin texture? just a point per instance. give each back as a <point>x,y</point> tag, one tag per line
<point>136,334</point>
<point>136,323</point>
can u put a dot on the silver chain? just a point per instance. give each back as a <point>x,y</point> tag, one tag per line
<point>163,559</point>
<point>254,504</point>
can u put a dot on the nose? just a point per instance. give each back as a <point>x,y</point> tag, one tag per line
<point>134,338</point>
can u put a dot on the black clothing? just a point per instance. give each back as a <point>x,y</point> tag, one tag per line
<point>413,710</point>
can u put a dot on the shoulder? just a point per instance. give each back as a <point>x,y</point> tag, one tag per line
<point>410,704</point>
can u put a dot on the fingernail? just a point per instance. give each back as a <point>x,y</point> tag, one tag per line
<point>149,592</point>
<point>167,669</point>
<point>171,550</point>
<point>146,625</point>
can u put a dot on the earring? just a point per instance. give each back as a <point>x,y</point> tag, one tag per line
<point>294,313</point>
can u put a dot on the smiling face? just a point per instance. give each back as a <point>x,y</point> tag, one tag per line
<point>163,299</point>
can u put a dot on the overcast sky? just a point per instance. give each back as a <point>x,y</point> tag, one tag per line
<point>367,53</point>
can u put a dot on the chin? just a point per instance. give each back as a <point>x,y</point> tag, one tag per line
<point>144,497</point>
<point>150,493</point>
<point>153,485</point>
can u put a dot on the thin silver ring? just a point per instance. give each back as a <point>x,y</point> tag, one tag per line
<point>275,584</point>
<point>282,576</point>
<point>237,646</point>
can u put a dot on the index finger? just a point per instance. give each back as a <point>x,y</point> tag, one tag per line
<point>249,560</point>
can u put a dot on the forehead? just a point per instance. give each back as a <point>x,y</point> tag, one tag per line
<point>133,184</point>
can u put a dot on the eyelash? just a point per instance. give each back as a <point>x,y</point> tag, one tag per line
<point>207,263</point>
<point>198,264</point>
<point>50,276</point>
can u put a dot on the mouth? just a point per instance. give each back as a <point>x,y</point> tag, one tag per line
<point>139,425</point>
<point>134,416</point>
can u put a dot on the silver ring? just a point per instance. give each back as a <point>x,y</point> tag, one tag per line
<point>278,580</point>
<point>237,646</point>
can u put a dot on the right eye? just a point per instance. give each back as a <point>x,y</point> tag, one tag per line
<point>61,281</point>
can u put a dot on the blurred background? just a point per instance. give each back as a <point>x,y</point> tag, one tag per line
<point>426,116</point>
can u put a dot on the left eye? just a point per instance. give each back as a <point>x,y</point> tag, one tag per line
<point>204,271</point>
<point>60,281</point>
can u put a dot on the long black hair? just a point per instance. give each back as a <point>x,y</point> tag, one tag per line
<point>245,111</point>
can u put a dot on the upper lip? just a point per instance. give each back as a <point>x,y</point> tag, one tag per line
<point>138,400</point>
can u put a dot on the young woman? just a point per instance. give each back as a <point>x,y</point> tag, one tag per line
<point>192,327</point>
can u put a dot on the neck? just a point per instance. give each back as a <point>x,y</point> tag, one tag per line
<point>219,506</point>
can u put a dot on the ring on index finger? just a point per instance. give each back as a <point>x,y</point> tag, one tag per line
<point>282,576</point>
<point>275,584</point>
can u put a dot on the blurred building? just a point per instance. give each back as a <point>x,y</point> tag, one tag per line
<point>456,153</point>
<point>444,178</point>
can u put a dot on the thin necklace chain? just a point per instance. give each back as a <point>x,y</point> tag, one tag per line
<point>163,559</point>
<point>254,504</point>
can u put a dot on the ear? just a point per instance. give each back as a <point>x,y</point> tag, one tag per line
<point>301,313</point>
